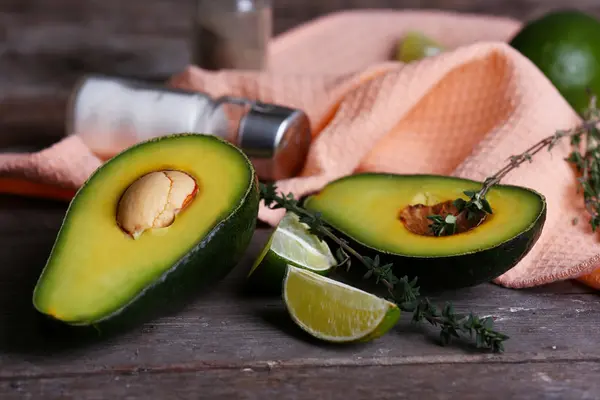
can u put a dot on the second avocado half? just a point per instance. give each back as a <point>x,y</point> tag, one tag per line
<point>365,209</point>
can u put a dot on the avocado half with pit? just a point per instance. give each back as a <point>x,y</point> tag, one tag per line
<point>367,208</point>
<point>151,228</point>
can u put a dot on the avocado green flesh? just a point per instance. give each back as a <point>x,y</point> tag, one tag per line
<point>366,207</point>
<point>95,269</point>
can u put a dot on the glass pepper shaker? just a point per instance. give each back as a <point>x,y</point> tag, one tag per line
<point>231,34</point>
<point>110,114</point>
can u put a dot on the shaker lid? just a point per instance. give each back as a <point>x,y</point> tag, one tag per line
<point>276,139</point>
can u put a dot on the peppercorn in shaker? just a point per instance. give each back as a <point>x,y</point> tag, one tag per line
<point>231,34</point>
<point>110,114</point>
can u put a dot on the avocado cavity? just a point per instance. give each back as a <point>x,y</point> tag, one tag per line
<point>416,217</point>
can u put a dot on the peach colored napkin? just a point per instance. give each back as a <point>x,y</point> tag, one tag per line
<point>461,113</point>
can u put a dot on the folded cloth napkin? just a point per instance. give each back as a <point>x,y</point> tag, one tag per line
<point>461,113</point>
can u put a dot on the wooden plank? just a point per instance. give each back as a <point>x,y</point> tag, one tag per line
<point>227,326</point>
<point>442,381</point>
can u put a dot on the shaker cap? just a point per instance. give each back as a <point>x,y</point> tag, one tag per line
<point>276,139</point>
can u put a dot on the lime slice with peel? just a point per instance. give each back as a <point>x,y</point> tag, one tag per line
<point>291,243</point>
<point>416,46</point>
<point>333,311</point>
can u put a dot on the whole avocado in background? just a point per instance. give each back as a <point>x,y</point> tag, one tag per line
<point>565,46</point>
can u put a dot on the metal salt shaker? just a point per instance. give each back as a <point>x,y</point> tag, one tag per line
<point>110,114</point>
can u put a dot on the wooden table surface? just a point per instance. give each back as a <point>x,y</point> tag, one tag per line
<point>226,344</point>
<point>229,345</point>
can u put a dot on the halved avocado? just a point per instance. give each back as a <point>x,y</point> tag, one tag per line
<point>98,272</point>
<point>365,209</point>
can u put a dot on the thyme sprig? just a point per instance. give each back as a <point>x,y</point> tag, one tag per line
<point>442,226</point>
<point>403,292</point>
<point>476,204</point>
<point>585,157</point>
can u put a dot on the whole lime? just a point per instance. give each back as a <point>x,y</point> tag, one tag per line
<point>415,46</point>
<point>565,46</point>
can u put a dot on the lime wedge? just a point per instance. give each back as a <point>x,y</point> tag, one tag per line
<point>291,243</point>
<point>333,311</point>
<point>416,46</point>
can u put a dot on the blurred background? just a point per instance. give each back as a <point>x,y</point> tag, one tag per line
<point>45,45</point>
<point>44,41</point>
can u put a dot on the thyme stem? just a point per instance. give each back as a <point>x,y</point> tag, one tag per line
<point>587,163</point>
<point>344,245</point>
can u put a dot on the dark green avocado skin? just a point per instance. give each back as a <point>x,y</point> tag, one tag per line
<point>436,274</point>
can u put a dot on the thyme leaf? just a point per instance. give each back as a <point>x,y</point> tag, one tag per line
<point>442,226</point>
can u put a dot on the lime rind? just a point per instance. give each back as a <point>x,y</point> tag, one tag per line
<point>262,254</point>
<point>346,314</point>
<point>390,320</point>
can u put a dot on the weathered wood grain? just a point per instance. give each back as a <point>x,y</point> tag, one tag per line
<point>230,327</point>
<point>442,381</point>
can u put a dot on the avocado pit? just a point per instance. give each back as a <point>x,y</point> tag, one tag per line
<point>415,217</point>
<point>153,201</point>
